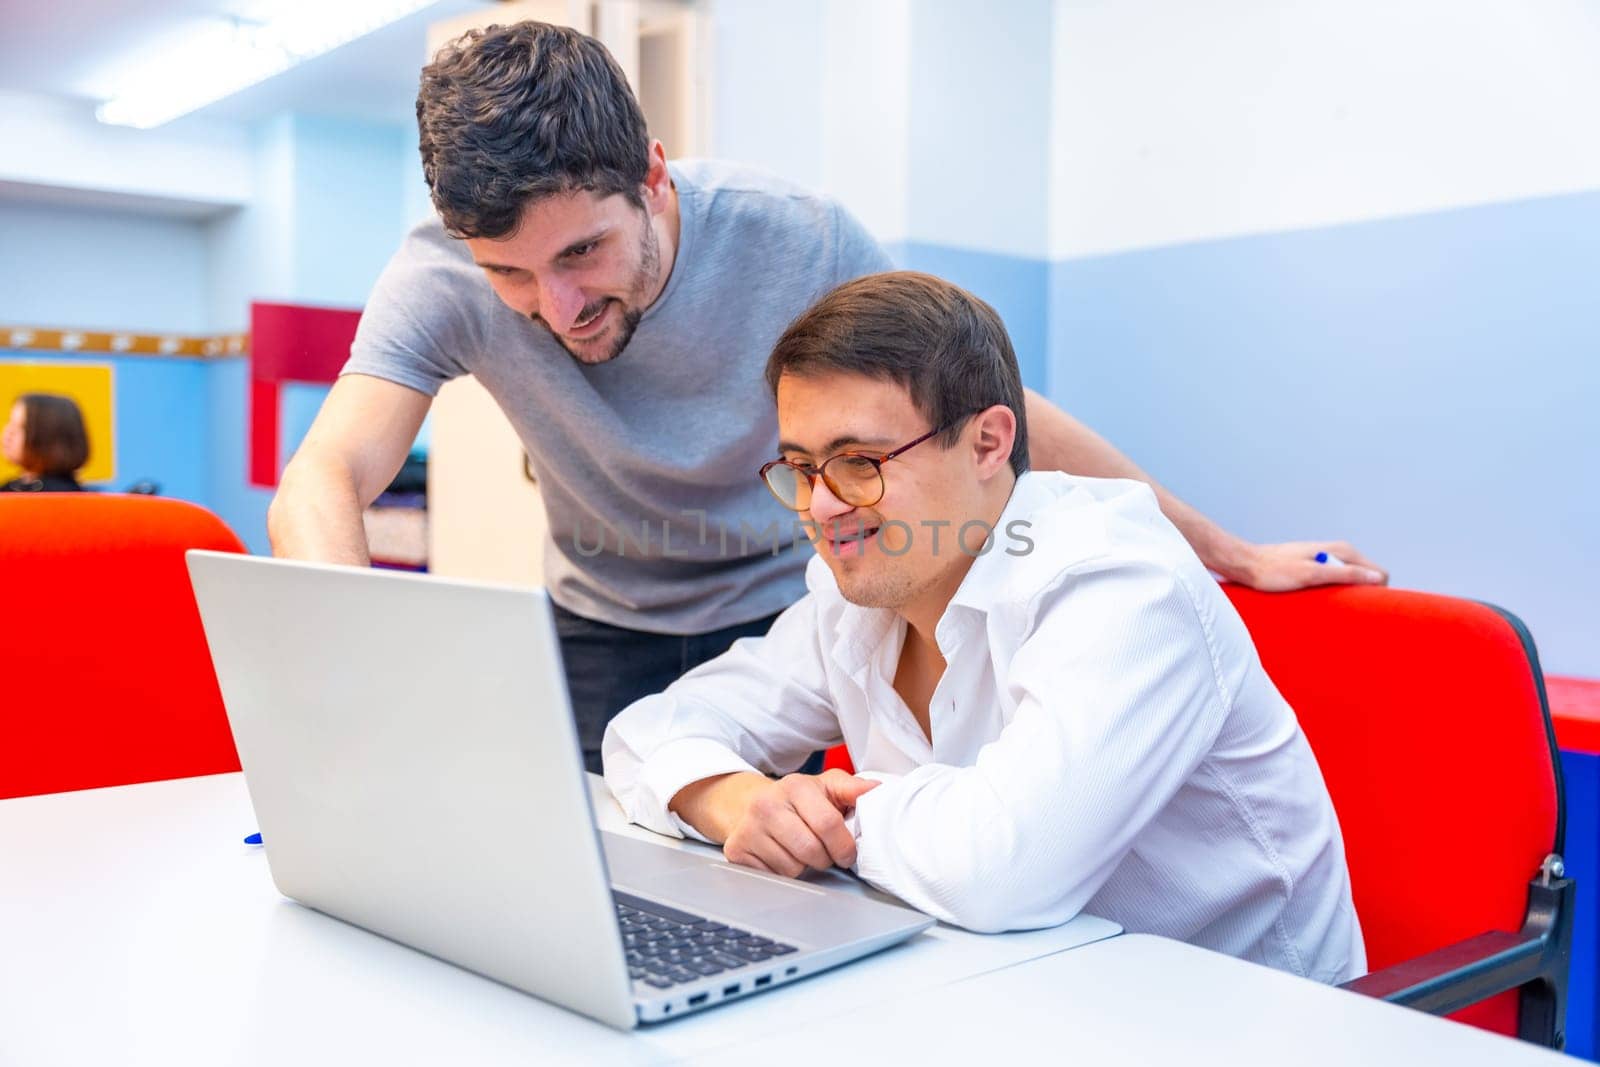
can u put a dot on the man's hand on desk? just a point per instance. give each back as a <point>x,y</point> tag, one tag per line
<point>784,827</point>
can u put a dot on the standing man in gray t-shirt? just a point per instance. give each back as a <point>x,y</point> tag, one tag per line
<point>629,310</point>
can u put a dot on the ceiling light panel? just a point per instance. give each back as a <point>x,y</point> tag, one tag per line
<point>216,57</point>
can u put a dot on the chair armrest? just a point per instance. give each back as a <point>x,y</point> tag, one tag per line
<point>1453,977</point>
<point>1457,975</point>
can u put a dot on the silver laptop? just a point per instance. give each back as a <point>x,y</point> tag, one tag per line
<point>414,767</point>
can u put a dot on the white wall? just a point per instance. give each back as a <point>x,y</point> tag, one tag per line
<point>980,124</point>
<point>865,99</point>
<point>928,119</point>
<point>1178,121</point>
<point>769,58</point>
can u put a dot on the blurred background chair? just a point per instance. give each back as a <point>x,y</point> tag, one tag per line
<point>108,677</point>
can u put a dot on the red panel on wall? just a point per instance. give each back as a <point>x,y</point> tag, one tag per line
<point>290,343</point>
<point>263,432</point>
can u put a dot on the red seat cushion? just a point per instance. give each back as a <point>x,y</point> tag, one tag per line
<point>109,679</point>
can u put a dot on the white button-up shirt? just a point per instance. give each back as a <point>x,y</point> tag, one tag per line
<point>1104,738</point>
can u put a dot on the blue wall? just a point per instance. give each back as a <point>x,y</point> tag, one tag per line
<point>1428,387</point>
<point>93,269</point>
<point>228,491</point>
<point>1018,288</point>
<point>349,204</point>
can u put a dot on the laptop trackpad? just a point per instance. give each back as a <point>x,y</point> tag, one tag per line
<point>739,894</point>
<point>702,882</point>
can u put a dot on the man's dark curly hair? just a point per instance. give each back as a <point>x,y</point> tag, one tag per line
<point>510,114</point>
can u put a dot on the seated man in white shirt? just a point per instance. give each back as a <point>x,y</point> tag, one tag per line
<point>1050,704</point>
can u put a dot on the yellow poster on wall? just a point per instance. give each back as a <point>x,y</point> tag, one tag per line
<point>90,384</point>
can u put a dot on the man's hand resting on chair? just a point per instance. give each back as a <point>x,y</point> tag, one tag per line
<point>784,827</point>
<point>1287,567</point>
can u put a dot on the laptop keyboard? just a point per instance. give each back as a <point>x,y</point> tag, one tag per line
<point>668,947</point>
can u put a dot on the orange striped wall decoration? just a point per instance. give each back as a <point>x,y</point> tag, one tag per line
<point>119,343</point>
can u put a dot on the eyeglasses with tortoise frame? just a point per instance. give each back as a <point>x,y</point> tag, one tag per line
<point>855,478</point>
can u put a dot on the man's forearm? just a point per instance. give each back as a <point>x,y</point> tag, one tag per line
<point>316,516</point>
<point>712,805</point>
<point>1057,441</point>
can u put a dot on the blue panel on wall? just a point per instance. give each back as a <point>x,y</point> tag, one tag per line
<point>298,404</point>
<point>1015,286</point>
<point>1581,773</point>
<point>241,505</point>
<point>1426,387</point>
<point>163,420</point>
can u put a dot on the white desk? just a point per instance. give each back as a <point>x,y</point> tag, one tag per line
<point>136,928</point>
<point>1137,999</point>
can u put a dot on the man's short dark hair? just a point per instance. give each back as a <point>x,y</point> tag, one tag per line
<point>510,114</point>
<point>54,440</point>
<point>947,348</point>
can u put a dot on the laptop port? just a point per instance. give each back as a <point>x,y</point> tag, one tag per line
<point>697,999</point>
<point>791,972</point>
<point>765,979</point>
<point>731,990</point>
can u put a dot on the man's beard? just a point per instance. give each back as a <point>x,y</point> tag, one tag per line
<point>644,277</point>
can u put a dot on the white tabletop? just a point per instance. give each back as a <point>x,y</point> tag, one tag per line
<point>137,927</point>
<point>1137,999</point>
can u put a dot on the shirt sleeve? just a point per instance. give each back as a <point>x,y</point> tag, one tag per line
<point>415,325</point>
<point>1118,701</point>
<point>761,706</point>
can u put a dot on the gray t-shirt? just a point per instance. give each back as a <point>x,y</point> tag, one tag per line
<point>673,428</point>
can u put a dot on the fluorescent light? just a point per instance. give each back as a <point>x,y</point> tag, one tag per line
<point>219,57</point>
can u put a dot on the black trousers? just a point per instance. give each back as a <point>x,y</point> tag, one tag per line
<point>609,667</point>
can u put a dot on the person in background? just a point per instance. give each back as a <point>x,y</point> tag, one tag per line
<point>46,438</point>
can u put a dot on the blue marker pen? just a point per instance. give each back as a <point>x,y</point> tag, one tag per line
<point>1329,557</point>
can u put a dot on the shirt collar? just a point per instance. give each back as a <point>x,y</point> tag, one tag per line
<point>860,638</point>
<point>861,632</point>
<point>985,584</point>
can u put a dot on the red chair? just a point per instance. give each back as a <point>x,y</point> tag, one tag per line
<point>1428,717</point>
<point>109,680</point>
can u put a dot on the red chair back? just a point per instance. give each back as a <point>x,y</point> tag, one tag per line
<point>1427,716</point>
<point>109,678</point>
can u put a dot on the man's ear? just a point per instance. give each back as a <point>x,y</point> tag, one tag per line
<point>657,180</point>
<point>993,431</point>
